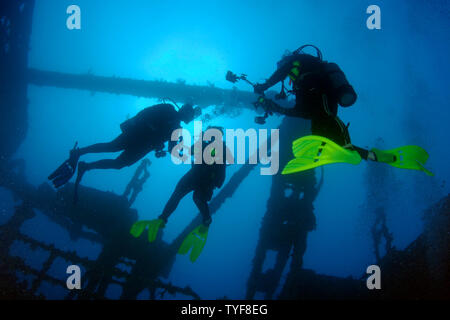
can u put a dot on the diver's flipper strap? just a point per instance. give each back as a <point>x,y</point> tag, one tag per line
<point>314,151</point>
<point>196,241</point>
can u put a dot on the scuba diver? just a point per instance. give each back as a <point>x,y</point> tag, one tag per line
<point>319,87</point>
<point>201,179</point>
<point>145,132</point>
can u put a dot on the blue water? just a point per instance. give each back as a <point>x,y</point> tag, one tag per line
<point>399,72</point>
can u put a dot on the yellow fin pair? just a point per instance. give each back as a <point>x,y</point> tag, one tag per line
<point>195,240</point>
<point>153,227</point>
<point>314,151</point>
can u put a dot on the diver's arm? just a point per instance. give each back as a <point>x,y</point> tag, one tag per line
<point>279,75</point>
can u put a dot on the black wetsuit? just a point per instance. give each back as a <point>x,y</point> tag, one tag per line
<point>146,131</point>
<point>202,179</point>
<point>315,99</point>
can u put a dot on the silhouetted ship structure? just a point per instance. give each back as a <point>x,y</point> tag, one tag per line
<point>419,271</point>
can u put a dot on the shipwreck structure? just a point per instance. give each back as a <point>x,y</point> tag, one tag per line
<point>135,265</point>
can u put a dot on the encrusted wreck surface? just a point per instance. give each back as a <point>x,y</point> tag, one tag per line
<point>419,271</point>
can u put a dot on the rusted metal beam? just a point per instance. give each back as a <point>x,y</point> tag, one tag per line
<point>178,91</point>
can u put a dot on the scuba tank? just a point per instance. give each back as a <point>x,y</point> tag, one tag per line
<point>340,87</point>
<point>128,124</point>
<point>139,119</point>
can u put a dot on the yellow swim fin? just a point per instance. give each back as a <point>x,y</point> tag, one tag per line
<point>153,227</point>
<point>314,151</point>
<point>406,157</point>
<point>195,240</point>
<point>138,227</point>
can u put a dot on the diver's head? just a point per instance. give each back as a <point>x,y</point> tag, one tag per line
<point>287,55</point>
<point>187,112</point>
<point>284,58</point>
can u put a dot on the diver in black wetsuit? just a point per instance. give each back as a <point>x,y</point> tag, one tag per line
<point>319,87</point>
<point>145,132</point>
<point>202,179</point>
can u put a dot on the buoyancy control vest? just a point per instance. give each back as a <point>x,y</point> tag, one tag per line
<point>308,73</point>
